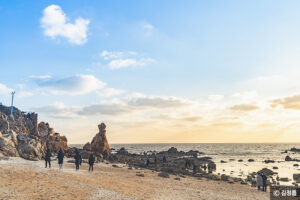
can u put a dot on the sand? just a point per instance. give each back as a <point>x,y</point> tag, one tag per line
<point>21,179</point>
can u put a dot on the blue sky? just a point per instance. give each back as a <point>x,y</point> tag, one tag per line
<point>142,56</point>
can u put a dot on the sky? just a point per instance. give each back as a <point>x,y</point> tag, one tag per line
<point>155,71</point>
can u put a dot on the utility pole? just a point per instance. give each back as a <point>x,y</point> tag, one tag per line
<point>12,104</point>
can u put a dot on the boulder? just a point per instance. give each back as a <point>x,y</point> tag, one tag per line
<point>266,172</point>
<point>296,177</point>
<point>99,143</point>
<point>56,142</point>
<point>164,174</point>
<point>29,147</point>
<point>251,160</point>
<point>269,161</point>
<point>224,177</point>
<point>288,158</point>
<point>172,150</point>
<point>8,144</point>
<point>87,147</point>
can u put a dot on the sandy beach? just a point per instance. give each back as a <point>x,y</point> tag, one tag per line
<point>22,179</point>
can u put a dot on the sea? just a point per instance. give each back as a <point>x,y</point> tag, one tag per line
<point>231,153</point>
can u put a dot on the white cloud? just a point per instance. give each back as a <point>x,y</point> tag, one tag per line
<point>55,23</point>
<point>24,94</point>
<point>109,92</point>
<point>40,77</point>
<point>121,63</point>
<point>147,101</point>
<point>246,95</point>
<point>118,59</point>
<point>148,26</point>
<point>108,55</point>
<point>4,89</point>
<point>74,85</point>
<point>215,97</point>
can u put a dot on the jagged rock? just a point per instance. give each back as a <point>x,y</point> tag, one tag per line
<point>45,130</point>
<point>56,142</point>
<point>266,172</point>
<point>122,151</point>
<point>8,144</point>
<point>296,177</point>
<point>23,136</point>
<point>20,123</point>
<point>295,149</point>
<point>99,143</point>
<point>87,147</point>
<point>29,147</point>
<point>172,150</point>
<point>288,158</point>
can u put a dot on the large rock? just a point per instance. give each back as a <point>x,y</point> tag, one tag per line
<point>56,142</point>
<point>52,140</point>
<point>99,143</point>
<point>20,123</point>
<point>29,147</point>
<point>8,144</point>
<point>266,172</point>
<point>296,177</point>
<point>288,158</point>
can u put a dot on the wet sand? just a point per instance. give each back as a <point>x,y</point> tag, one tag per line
<point>21,179</point>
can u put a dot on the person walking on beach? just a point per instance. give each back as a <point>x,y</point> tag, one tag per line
<point>259,181</point>
<point>264,180</point>
<point>77,158</point>
<point>60,157</point>
<point>48,158</point>
<point>91,162</point>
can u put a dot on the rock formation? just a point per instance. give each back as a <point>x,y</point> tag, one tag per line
<point>23,136</point>
<point>99,144</point>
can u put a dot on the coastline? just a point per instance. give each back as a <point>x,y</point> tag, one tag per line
<point>22,179</point>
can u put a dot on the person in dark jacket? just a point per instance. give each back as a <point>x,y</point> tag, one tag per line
<point>78,159</point>
<point>48,158</point>
<point>264,179</point>
<point>91,162</point>
<point>60,157</point>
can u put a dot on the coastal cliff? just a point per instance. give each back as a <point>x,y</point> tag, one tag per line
<point>22,135</point>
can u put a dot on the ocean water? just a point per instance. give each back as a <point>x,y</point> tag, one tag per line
<point>231,153</point>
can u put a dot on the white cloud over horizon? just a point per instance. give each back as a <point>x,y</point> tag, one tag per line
<point>118,59</point>
<point>56,24</point>
<point>73,85</point>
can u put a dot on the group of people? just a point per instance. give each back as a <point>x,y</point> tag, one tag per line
<point>261,181</point>
<point>60,158</point>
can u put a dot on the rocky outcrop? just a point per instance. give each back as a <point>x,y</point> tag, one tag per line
<point>54,141</point>
<point>8,144</point>
<point>21,122</point>
<point>30,147</point>
<point>21,135</point>
<point>99,143</point>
